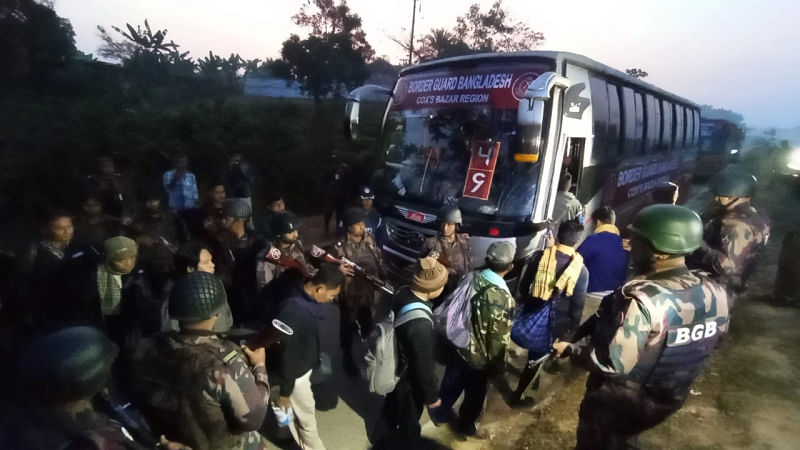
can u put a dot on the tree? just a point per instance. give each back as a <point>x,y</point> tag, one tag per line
<point>492,31</point>
<point>477,31</point>
<point>35,41</point>
<point>636,73</point>
<point>333,56</point>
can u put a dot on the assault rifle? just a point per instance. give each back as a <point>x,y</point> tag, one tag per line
<point>540,363</point>
<point>277,257</point>
<point>319,253</point>
<point>265,337</point>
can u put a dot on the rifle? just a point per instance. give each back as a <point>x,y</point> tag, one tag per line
<point>277,257</point>
<point>317,252</point>
<point>265,337</point>
<point>540,362</point>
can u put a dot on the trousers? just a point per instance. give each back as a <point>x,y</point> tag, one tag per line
<point>304,428</point>
<point>461,377</point>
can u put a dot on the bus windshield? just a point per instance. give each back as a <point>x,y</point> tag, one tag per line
<point>429,154</point>
<point>449,134</point>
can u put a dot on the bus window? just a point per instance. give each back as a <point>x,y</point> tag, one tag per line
<point>689,127</point>
<point>653,123</point>
<point>696,127</point>
<point>613,141</point>
<point>679,127</point>
<point>666,114</point>
<point>629,122</point>
<point>638,145</point>
<point>600,116</point>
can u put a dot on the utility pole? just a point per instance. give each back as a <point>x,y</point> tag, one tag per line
<point>411,41</point>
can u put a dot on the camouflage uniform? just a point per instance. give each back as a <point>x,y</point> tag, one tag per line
<point>732,242</point>
<point>199,390</point>
<point>456,256</point>
<point>649,340</point>
<point>358,293</point>
<point>267,271</point>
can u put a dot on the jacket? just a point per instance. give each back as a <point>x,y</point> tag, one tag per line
<point>492,309</point>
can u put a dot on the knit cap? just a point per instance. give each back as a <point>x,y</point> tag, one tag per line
<point>429,275</point>
<point>119,248</point>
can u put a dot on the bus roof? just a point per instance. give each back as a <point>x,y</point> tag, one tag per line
<point>558,57</point>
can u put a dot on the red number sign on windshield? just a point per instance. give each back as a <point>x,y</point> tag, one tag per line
<point>481,169</point>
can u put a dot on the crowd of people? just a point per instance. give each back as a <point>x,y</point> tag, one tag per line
<point>193,322</point>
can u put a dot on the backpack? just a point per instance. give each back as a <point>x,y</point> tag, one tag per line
<point>453,317</point>
<point>382,350</point>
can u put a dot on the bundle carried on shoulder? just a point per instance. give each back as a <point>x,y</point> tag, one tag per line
<point>453,317</point>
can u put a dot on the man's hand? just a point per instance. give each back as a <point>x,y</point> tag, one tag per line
<point>170,445</point>
<point>347,270</point>
<point>436,404</point>
<point>560,347</point>
<point>257,356</point>
<point>284,403</point>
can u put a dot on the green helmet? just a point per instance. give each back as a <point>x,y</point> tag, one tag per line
<point>197,296</point>
<point>451,214</point>
<point>283,223</point>
<point>68,365</point>
<point>669,229</point>
<point>734,183</point>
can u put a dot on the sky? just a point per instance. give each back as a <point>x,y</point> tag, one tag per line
<point>740,55</point>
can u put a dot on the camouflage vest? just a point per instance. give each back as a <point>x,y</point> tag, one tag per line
<point>457,257</point>
<point>694,312</point>
<point>172,390</point>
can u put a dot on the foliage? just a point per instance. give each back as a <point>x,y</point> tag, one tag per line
<point>636,73</point>
<point>35,42</point>
<point>477,31</point>
<point>156,103</point>
<point>333,56</point>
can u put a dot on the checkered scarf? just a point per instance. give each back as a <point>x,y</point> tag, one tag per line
<point>545,282</point>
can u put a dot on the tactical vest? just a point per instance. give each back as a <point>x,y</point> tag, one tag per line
<point>670,367</point>
<point>172,387</point>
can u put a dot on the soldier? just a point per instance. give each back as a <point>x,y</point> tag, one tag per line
<point>60,375</point>
<point>650,338</point>
<point>240,246</point>
<point>275,205</point>
<point>285,238</point>
<point>373,220</point>
<point>358,295</point>
<point>92,227</point>
<point>156,232</point>
<point>207,221</point>
<point>490,328</point>
<point>736,233</point>
<point>112,188</point>
<point>205,391</point>
<point>452,246</point>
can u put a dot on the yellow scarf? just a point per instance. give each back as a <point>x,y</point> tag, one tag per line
<point>545,282</point>
<point>607,228</point>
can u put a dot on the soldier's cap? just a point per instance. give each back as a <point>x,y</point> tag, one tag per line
<point>196,296</point>
<point>500,253</point>
<point>119,248</point>
<point>429,275</point>
<point>237,209</point>
<point>367,193</point>
<point>68,365</point>
<point>354,216</point>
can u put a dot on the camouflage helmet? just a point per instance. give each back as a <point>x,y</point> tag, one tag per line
<point>669,229</point>
<point>238,209</point>
<point>734,183</point>
<point>282,223</point>
<point>196,296</point>
<point>354,216</point>
<point>68,365</point>
<point>451,214</point>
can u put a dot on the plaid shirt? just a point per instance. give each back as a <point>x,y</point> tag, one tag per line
<point>182,195</point>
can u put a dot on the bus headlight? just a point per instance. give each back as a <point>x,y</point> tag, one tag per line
<point>794,160</point>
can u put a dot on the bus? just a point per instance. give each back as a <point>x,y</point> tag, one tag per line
<point>493,134</point>
<point>720,142</point>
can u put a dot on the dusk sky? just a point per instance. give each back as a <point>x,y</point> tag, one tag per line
<point>740,55</point>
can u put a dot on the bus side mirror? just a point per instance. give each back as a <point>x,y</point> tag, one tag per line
<point>530,115</point>
<point>363,112</point>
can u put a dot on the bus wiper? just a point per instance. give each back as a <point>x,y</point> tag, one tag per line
<point>425,172</point>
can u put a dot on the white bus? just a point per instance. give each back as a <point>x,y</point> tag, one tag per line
<point>492,133</point>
